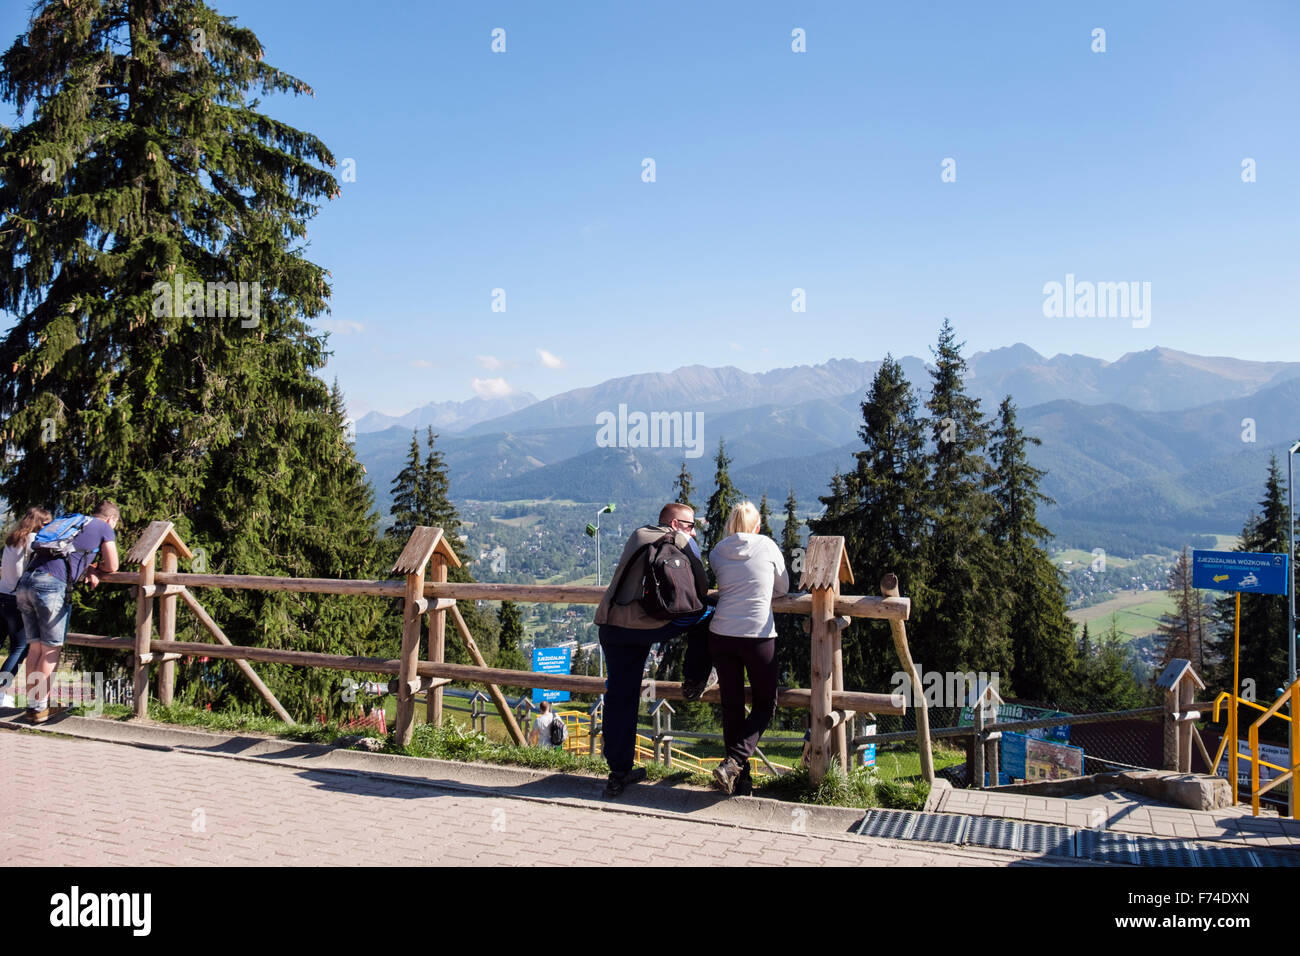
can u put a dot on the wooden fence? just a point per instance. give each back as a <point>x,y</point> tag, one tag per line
<point>426,593</point>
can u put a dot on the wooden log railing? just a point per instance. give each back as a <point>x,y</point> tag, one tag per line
<point>826,566</point>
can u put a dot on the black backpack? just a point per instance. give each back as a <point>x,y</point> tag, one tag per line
<point>668,589</point>
<point>558,731</point>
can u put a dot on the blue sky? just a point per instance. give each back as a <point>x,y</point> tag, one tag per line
<point>778,170</point>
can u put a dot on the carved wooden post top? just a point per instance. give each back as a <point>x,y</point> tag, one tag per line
<point>158,533</point>
<point>825,562</point>
<point>424,543</point>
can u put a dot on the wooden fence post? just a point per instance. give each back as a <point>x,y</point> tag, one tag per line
<point>825,565</point>
<point>437,643</point>
<point>157,534</point>
<point>1180,683</point>
<point>889,588</point>
<point>411,563</point>
<point>167,627</point>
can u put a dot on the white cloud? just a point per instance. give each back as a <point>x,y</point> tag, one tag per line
<point>491,387</point>
<point>422,363</point>
<point>489,362</point>
<point>549,359</point>
<point>737,347</point>
<point>340,326</point>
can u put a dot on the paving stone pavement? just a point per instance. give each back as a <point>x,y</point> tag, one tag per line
<point>110,804</point>
<point>1130,813</point>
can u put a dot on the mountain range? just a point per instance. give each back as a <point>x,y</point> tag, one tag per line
<point>1139,453</point>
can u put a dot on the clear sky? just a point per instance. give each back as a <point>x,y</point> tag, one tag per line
<point>777,170</point>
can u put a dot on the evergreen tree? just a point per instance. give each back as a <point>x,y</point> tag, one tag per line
<point>683,488</point>
<point>962,625</point>
<point>724,497</point>
<point>791,540</point>
<point>408,498</point>
<point>1263,616</point>
<point>881,510</point>
<point>1106,681</point>
<point>142,165</point>
<point>1085,646</point>
<point>792,647</point>
<point>1041,634</point>
<point>510,655</point>
<point>764,518</point>
<point>420,497</point>
<point>1182,632</point>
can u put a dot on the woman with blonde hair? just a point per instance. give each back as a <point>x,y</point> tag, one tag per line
<point>750,570</point>
<point>18,546</point>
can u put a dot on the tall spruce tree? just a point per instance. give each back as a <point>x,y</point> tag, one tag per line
<point>724,497</point>
<point>765,518</point>
<point>1263,616</point>
<point>1041,634</point>
<point>421,497</point>
<point>683,488</point>
<point>160,356</point>
<point>962,624</point>
<point>793,660</point>
<point>510,654</point>
<point>1106,680</point>
<point>1182,632</point>
<point>882,511</point>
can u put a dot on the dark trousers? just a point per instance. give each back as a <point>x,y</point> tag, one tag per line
<point>733,656</point>
<point>626,651</point>
<point>12,622</point>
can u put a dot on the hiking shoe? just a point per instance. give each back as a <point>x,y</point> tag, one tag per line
<point>744,786</point>
<point>695,689</point>
<point>727,773</point>
<point>618,782</point>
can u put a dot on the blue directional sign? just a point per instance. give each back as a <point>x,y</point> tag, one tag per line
<point>550,660</point>
<point>1246,571</point>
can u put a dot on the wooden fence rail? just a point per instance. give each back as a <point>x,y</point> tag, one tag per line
<point>826,565</point>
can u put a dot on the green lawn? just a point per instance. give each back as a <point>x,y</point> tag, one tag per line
<point>1138,613</point>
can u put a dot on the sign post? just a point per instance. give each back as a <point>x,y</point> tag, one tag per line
<point>550,660</point>
<point>1240,571</point>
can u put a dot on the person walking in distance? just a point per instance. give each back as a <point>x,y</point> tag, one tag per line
<point>63,553</point>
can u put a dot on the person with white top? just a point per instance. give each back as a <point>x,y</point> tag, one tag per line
<point>541,736</point>
<point>750,571</point>
<point>18,546</point>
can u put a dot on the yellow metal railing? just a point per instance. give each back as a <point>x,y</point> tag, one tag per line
<point>1291,694</point>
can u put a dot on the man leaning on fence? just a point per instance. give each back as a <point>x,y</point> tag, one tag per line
<point>627,632</point>
<point>44,596</point>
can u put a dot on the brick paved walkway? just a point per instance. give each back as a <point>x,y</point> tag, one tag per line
<point>105,803</point>
<point>1126,812</point>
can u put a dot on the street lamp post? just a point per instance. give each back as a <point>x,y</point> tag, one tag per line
<point>1290,584</point>
<point>593,531</point>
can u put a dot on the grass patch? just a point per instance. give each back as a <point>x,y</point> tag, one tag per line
<point>185,715</point>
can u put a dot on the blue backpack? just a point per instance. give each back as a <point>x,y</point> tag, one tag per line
<point>55,541</point>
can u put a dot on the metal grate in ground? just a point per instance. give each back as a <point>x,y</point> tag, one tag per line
<point>1045,839</point>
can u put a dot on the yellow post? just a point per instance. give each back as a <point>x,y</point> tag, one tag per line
<point>1295,764</point>
<point>1254,769</point>
<point>1232,717</point>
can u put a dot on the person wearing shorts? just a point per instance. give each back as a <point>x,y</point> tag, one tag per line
<point>43,596</point>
